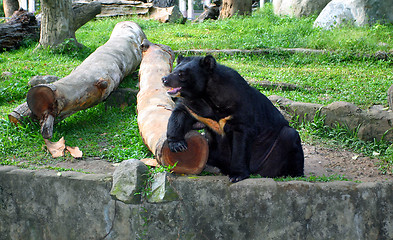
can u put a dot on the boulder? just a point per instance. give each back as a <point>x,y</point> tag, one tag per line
<point>129,179</point>
<point>357,12</point>
<point>298,8</point>
<point>167,14</point>
<point>374,123</point>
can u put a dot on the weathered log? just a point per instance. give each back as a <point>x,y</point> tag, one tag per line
<point>92,81</point>
<point>23,112</point>
<point>22,25</point>
<point>112,8</point>
<point>20,114</point>
<point>154,108</point>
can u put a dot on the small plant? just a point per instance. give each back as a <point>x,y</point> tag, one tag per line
<point>146,192</point>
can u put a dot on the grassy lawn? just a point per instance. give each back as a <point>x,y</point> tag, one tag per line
<point>112,133</point>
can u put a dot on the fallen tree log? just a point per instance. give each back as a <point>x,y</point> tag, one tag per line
<point>21,26</point>
<point>91,82</point>
<point>154,108</point>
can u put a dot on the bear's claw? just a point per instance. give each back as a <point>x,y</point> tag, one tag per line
<point>235,179</point>
<point>179,146</point>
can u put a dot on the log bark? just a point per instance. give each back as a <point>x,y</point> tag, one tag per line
<point>92,81</point>
<point>21,26</point>
<point>230,8</point>
<point>113,8</point>
<point>154,108</point>
<point>10,6</point>
<point>61,19</point>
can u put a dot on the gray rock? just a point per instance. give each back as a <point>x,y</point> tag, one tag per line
<point>6,74</point>
<point>358,12</point>
<point>374,123</point>
<point>128,181</point>
<point>168,14</point>
<point>298,8</point>
<point>121,97</point>
<point>161,190</point>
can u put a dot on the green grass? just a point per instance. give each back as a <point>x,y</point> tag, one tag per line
<point>313,178</point>
<point>1,9</point>
<point>262,30</point>
<point>112,134</point>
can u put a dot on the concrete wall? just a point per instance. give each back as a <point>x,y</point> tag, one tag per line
<point>44,205</point>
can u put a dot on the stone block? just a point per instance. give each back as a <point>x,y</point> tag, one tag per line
<point>128,181</point>
<point>161,190</point>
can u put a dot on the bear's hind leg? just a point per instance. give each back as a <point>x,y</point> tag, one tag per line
<point>284,157</point>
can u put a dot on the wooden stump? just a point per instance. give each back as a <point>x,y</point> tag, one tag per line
<point>154,109</point>
<point>231,7</point>
<point>10,6</point>
<point>61,19</point>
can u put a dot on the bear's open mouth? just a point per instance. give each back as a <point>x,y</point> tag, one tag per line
<point>174,91</point>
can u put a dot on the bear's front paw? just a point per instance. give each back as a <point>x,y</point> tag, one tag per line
<point>179,146</point>
<point>237,178</point>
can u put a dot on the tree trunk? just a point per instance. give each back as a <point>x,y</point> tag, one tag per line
<point>10,6</point>
<point>92,81</point>
<point>230,8</point>
<point>154,109</point>
<point>21,26</point>
<point>60,20</point>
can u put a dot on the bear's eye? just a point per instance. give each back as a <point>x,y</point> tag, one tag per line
<point>180,74</point>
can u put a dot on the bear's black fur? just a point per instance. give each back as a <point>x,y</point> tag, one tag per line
<point>246,133</point>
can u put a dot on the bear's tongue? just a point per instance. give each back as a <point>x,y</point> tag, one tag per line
<point>174,90</point>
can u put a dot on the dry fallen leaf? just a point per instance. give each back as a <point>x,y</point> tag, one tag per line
<point>75,152</point>
<point>56,148</point>
<point>150,162</point>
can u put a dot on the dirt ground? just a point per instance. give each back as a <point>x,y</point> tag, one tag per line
<point>319,161</point>
<point>325,161</point>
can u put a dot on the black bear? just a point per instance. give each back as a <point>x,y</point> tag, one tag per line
<point>245,131</point>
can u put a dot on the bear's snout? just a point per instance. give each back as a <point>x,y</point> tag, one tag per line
<point>164,80</point>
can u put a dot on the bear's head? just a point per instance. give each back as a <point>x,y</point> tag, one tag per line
<point>190,76</point>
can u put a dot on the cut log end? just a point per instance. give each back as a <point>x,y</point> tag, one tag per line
<point>191,161</point>
<point>41,100</point>
<point>15,118</point>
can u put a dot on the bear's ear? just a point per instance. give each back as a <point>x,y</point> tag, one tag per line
<point>179,59</point>
<point>208,62</point>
